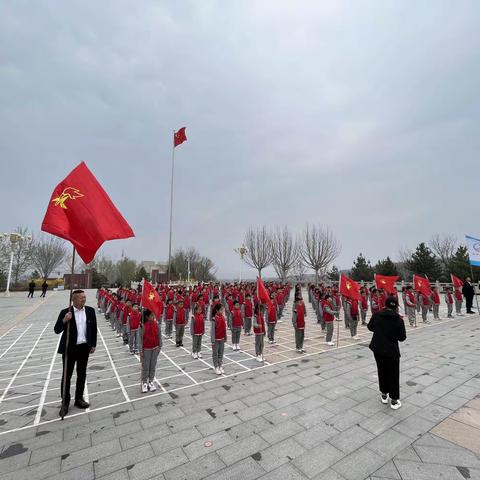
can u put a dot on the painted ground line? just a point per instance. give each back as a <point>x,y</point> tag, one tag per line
<point>21,335</point>
<point>186,350</point>
<point>45,386</point>
<point>125,394</point>
<point>21,366</point>
<point>7,332</point>
<point>181,370</point>
<point>154,378</point>
<point>86,397</point>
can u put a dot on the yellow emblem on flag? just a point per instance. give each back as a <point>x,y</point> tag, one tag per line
<point>70,193</point>
<point>151,296</point>
<point>349,285</point>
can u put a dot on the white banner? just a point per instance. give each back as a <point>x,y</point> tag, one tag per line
<point>473,245</point>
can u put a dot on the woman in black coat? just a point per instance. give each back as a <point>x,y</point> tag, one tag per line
<point>388,329</point>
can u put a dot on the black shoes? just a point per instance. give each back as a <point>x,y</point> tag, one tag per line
<point>81,403</point>
<point>63,410</point>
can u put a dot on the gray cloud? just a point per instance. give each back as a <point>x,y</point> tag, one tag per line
<point>363,115</point>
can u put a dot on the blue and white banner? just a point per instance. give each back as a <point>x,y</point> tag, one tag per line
<point>473,245</point>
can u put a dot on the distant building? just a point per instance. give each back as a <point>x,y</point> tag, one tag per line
<point>156,270</point>
<point>78,280</point>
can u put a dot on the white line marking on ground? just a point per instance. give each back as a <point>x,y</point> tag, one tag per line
<point>125,394</point>
<point>180,368</point>
<point>38,415</point>
<point>23,363</point>
<point>21,335</point>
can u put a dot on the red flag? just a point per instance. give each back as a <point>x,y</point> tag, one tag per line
<point>387,282</point>
<point>151,299</point>
<point>81,212</point>
<point>263,296</point>
<point>456,281</point>
<point>349,288</point>
<point>422,285</point>
<point>179,137</point>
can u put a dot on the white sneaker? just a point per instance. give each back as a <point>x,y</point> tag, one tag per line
<point>259,358</point>
<point>152,387</point>
<point>199,355</point>
<point>384,400</point>
<point>222,370</point>
<point>395,406</point>
<point>144,387</point>
<point>356,337</point>
<point>331,344</point>
<point>217,371</point>
<point>238,347</point>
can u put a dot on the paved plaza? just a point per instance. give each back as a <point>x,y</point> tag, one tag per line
<point>316,415</point>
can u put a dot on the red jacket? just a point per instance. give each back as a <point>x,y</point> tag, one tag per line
<point>198,324</point>
<point>260,329</point>
<point>300,317</point>
<point>169,312</point>
<point>150,334</point>
<point>181,317</point>
<point>237,320</point>
<point>134,319</point>
<point>436,298</point>
<point>248,309</point>
<point>220,327</point>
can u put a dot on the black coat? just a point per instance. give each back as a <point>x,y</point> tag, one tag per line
<point>91,332</point>
<point>388,329</point>
<point>468,290</point>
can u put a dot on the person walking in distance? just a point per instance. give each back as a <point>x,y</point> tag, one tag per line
<point>44,289</point>
<point>388,329</point>
<point>31,289</point>
<point>468,292</point>
<point>81,342</point>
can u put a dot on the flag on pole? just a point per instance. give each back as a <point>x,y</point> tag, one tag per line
<point>151,299</point>
<point>263,296</point>
<point>457,282</point>
<point>81,212</point>
<point>422,285</point>
<point>387,282</point>
<point>349,288</point>
<point>473,245</point>
<point>179,137</point>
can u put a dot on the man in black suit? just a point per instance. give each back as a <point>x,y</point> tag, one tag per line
<point>468,292</point>
<point>82,341</point>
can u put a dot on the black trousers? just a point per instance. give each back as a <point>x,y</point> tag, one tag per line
<point>469,303</point>
<point>78,355</point>
<point>389,375</point>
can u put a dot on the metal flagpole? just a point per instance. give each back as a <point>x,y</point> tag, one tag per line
<point>171,209</point>
<point>67,336</point>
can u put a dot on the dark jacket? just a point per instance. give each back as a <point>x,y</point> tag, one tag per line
<point>468,290</point>
<point>388,329</point>
<point>91,332</point>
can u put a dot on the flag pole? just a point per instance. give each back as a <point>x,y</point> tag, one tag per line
<point>171,210</point>
<point>67,338</point>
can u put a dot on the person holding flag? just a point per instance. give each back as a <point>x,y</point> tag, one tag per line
<point>351,292</point>
<point>422,286</point>
<point>81,212</point>
<point>457,286</point>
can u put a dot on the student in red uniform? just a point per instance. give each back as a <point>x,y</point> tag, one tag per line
<point>259,330</point>
<point>271,321</point>
<point>180,320</point>
<point>197,329</point>
<point>237,324</point>
<point>151,346</point>
<point>458,301</point>
<point>435,303</point>
<point>298,320</point>
<point>363,305</point>
<point>353,304</point>
<point>247,314</point>
<point>218,335</point>
<point>169,314</point>
<point>328,317</point>
<point>133,325</point>
<point>449,302</point>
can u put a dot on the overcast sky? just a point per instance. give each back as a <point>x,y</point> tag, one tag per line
<point>360,115</point>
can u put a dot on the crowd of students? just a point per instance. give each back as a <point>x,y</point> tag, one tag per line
<point>235,308</point>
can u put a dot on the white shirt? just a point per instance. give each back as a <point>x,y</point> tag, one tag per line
<point>81,321</point>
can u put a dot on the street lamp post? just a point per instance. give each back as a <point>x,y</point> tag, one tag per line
<point>241,251</point>
<point>14,239</point>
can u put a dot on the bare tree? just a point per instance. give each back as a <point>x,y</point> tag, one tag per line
<point>285,252</point>
<point>299,270</point>
<point>48,253</point>
<point>22,255</point>
<point>259,249</point>
<point>319,248</point>
<point>445,246</point>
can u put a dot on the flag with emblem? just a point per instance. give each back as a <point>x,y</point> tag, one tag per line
<point>349,288</point>
<point>457,282</point>
<point>263,296</point>
<point>151,299</point>
<point>81,212</point>
<point>387,282</point>
<point>179,137</point>
<point>422,285</point>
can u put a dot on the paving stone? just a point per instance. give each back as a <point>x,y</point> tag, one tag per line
<point>284,400</point>
<point>59,449</point>
<point>242,449</point>
<point>143,436</point>
<point>447,456</point>
<point>389,470</point>
<point>351,439</point>
<point>459,433</point>
<point>318,459</point>
<point>378,423</point>
<point>359,464</point>
<point>200,468</point>
<point>84,472</point>
<point>281,431</point>
<point>87,455</point>
<point>89,428</point>
<point>345,420</point>
<point>414,426</point>
<point>101,436</point>
<point>153,467</point>
<point>247,469</point>
<point>126,458</point>
<point>408,454</point>
<point>175,440</point>
<point>121,474</point>
<point>38,471</point>
<point>311,437</point>
<point>219,424</point>
<point>280,453</point>
<point>207,445</point>
<point>421,471</point>
<point>286,471</point>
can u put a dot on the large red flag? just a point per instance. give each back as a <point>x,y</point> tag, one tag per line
<point>151,299</point>
<point>179,137</point>
<point>387,282</point>
<point>422,285</point>
<point>349,288</point>
<point>457,282</point>
<point>263,296</point>
<point>81,212</point>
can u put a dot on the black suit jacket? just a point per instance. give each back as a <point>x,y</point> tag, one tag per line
<point>468,290</point>
<point>388,329</point>
<point>91,332</point>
